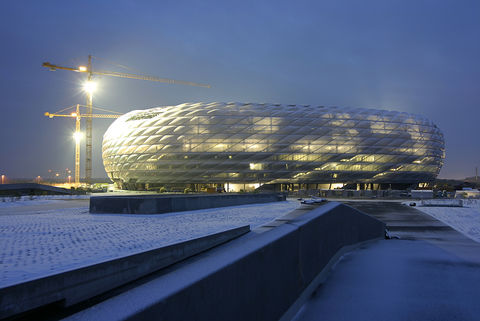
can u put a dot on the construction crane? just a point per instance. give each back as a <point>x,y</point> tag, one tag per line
<point>89,86</point>
<point>77,135</point>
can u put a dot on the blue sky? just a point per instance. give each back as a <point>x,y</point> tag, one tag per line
<point>413,56</point>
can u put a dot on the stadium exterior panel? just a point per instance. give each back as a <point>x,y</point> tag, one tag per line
<point>217,143</point>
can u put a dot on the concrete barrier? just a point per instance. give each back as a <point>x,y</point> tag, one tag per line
<point>157,204</point>
<point>442,203</point>
<point>78,285</point>
<point>259,276</point>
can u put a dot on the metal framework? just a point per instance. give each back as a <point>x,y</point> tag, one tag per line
<point>90,72</point>
<point>77,135</point>
<point>268,143</point>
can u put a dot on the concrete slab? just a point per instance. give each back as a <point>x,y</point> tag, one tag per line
<point>430,273</point>
<point>397,280</point>
<point>158,204</point>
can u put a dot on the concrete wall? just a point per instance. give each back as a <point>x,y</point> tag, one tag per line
<point>256,277</point>
<point>422,194</point>
<point>157,204</point>
<point>350,193</point>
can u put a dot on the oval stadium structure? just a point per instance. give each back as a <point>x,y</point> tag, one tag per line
<point>235,143</point>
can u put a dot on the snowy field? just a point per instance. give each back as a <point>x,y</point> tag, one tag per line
<point>473,203</point>
<point>48,242</point>
<point>465,219</point>
<point>12,201</point>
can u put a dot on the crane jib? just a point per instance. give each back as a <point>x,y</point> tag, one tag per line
<point>90,72</point>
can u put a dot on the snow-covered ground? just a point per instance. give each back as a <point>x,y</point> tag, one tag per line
<point>12,201</point>
<point>474,203</point>
<point>48,242</point>
<point>465,219</point>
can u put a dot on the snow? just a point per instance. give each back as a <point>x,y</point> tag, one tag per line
<point>12,201</point>
<point>47,242</point>
<point>466,220</point>
<point>473,203</point>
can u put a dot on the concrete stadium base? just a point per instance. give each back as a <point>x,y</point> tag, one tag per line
<point>259,276</point>
<point>158,204</point>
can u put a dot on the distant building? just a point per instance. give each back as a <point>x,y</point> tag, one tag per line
<point>231,144</point>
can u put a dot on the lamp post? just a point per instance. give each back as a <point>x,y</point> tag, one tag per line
<point>3,179</point>
<point>77,136</point>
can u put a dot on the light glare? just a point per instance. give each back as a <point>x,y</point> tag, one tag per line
<point>90,86</point>
<point>77,136</point>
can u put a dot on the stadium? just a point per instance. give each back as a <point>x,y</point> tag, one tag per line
<point>234,145</point>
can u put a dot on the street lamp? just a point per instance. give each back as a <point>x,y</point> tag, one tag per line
<point>3,179</point>
<point>90,86</point>
<point>77,136</point>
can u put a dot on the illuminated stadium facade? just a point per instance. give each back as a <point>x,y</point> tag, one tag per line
<point>234,143</point>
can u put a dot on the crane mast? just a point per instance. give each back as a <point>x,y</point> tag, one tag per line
<point>88,146</point>
<point>77,135</point>
<point>89,103</point>
<point>77,146</point>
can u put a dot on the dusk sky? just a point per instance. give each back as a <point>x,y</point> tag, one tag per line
<point>417,56</point>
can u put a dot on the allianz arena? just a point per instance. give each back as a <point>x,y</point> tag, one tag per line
<point>235,143</point>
